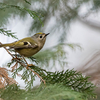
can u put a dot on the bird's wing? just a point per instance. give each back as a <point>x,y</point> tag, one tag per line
<point>25,43</point>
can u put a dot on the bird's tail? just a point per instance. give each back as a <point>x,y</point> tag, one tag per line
<point>6,45</point>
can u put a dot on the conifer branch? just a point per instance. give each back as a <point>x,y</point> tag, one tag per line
<point>7,33</point>
<point>27,2</point>
<point>48,92</point>
<point>69,78</point>
<point>23,64</point>
<point>32,13</point>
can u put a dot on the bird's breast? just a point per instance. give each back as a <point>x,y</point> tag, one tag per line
<point>27,52</point>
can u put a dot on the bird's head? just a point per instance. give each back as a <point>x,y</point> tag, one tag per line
<point>40,37</point>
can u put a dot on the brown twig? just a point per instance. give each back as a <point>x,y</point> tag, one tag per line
<point>15,66</point>
<point>4,79</point>
<point>30,70</point>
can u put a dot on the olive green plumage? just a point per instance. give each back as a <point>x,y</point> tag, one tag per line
<point>28,46</point>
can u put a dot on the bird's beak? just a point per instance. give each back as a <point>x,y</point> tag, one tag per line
<point>47,34</point>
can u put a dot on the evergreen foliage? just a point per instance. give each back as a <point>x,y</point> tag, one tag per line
<point>48,92</point>
<point>69,78</point>
<point>63,85</point>
<point>7,33</point>
<point>55,55</point>
<point>17,10</point>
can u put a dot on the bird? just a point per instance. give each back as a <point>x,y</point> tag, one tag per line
<point>28,46</point>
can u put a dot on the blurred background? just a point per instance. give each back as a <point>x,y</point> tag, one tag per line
<point>73,23</point>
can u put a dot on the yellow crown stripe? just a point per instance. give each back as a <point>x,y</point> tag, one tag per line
<point>39,33</point>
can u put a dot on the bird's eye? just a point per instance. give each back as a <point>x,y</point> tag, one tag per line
<point>40,36</point>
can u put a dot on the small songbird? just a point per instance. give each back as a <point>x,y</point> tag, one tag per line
<point>28,46</point>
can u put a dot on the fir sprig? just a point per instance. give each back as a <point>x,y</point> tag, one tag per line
<point>27,2</point>
<point>69,78</point>
<point>8,33</point>
<point>55,54</point>
<point>48,92</point>
<point>32,13</point>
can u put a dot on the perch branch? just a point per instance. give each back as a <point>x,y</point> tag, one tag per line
<point>24,65</point>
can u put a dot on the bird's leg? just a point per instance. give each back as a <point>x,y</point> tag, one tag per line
<point>27,63</point>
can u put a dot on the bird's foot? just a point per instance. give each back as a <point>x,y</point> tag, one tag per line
<point>29,65</point>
